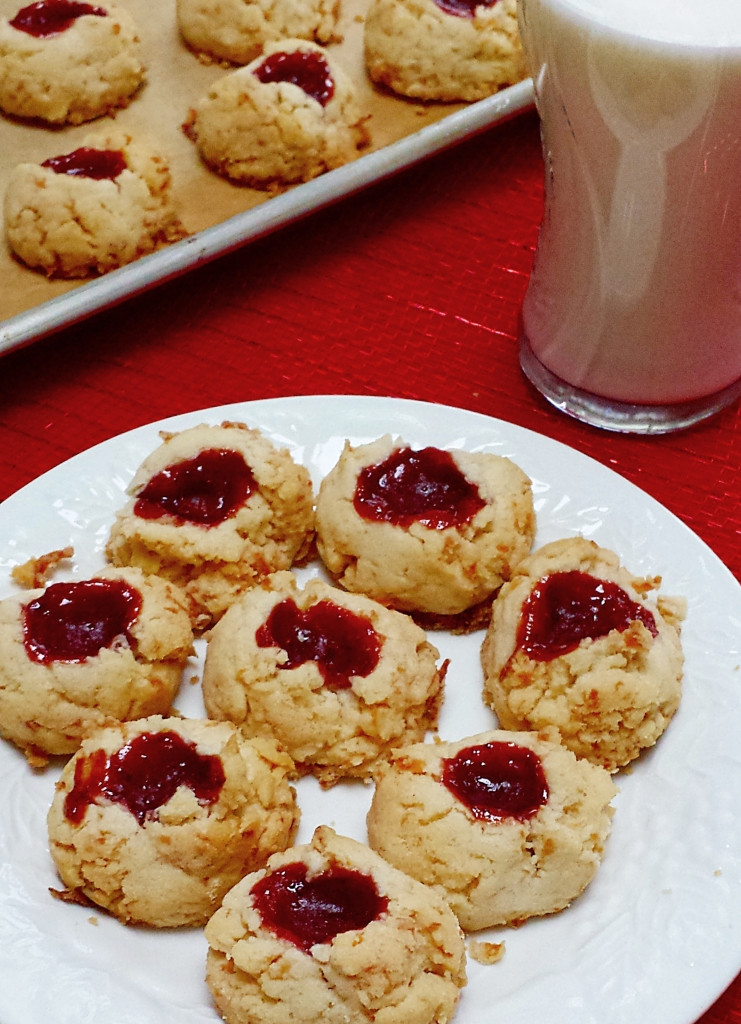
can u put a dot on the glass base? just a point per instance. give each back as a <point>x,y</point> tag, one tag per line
<point>622,417</point>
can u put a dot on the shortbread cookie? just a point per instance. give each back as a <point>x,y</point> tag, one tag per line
<point>331,933</point>
<point>288,116</point>
<point>443,49</point>
<point>65,61</point>
<point>156,820</point>
<point>576,642</point>
<point>506,825</point>
<point>423,531</point>
<point>336,678</point>
<point>92,209</point>
<point>215,508</point>
<point>237,30</point>
<point>76,656</point>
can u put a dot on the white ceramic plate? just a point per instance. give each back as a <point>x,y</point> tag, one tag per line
<point>176,259</point>
<point>654,938</point>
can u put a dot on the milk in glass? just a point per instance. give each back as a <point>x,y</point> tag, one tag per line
<point>635,294</point>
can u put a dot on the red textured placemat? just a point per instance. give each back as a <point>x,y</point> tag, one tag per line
<point>411,289</point>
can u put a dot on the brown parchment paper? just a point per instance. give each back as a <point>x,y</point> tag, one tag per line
<point>175,81</point>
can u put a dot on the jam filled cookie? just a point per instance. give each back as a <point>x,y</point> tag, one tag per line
<point>575,642</point>
<point>66,61</point>
<point>443,49</point>
<point>427,531</point>
<point>287,117</point>
<point>215,508</point>
<point>331,933</point>
<point>156,820</point>
<point>93,209</point>
<point>237,30</point>
<point>506,825</point>
<point>75,656</point>
<point>336,678</point>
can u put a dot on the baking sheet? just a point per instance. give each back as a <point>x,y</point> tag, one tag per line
<point>402,133</point>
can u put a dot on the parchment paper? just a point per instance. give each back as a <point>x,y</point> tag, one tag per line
<point>175,81</point>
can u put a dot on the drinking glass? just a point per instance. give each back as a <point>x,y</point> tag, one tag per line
<point>632,316</point>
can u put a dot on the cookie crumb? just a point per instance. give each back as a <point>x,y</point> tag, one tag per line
<point>486,952</point>
<point>74,895</point>
<point>36,571</point>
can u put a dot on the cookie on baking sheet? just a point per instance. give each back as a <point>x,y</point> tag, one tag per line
<point>237,30</point>
<point>507,825</point>
<point>215,508</point>
<point>577,643</point>
<point>336,678</point>
<point>288,116</point>
<point>92,209</point>
<point>76,656</point>
<point>425,531</point>
<point>155,820</point>
<point>67,61</point>
<point>331,933</point>
<point>443,49</point>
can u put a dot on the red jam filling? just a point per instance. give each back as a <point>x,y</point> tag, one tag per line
<point>50,17</point>
<point>144,775</point>
<point>424,486</point>
<point>206,490</point>
<point>304,68</point>
<point>567,607</point>
<point>463,8</point>
<point>497,780</point>
<point>87,162</point>
<point>309,910</point>
<point>74,621</point>
<point>342,643</point>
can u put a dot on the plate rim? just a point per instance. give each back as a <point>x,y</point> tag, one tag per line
<point>414,406</point>
<point>228,408</point>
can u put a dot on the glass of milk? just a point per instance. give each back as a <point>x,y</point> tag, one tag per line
<point>632,318</point>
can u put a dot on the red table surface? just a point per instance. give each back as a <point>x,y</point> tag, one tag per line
<point>410,289</point>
